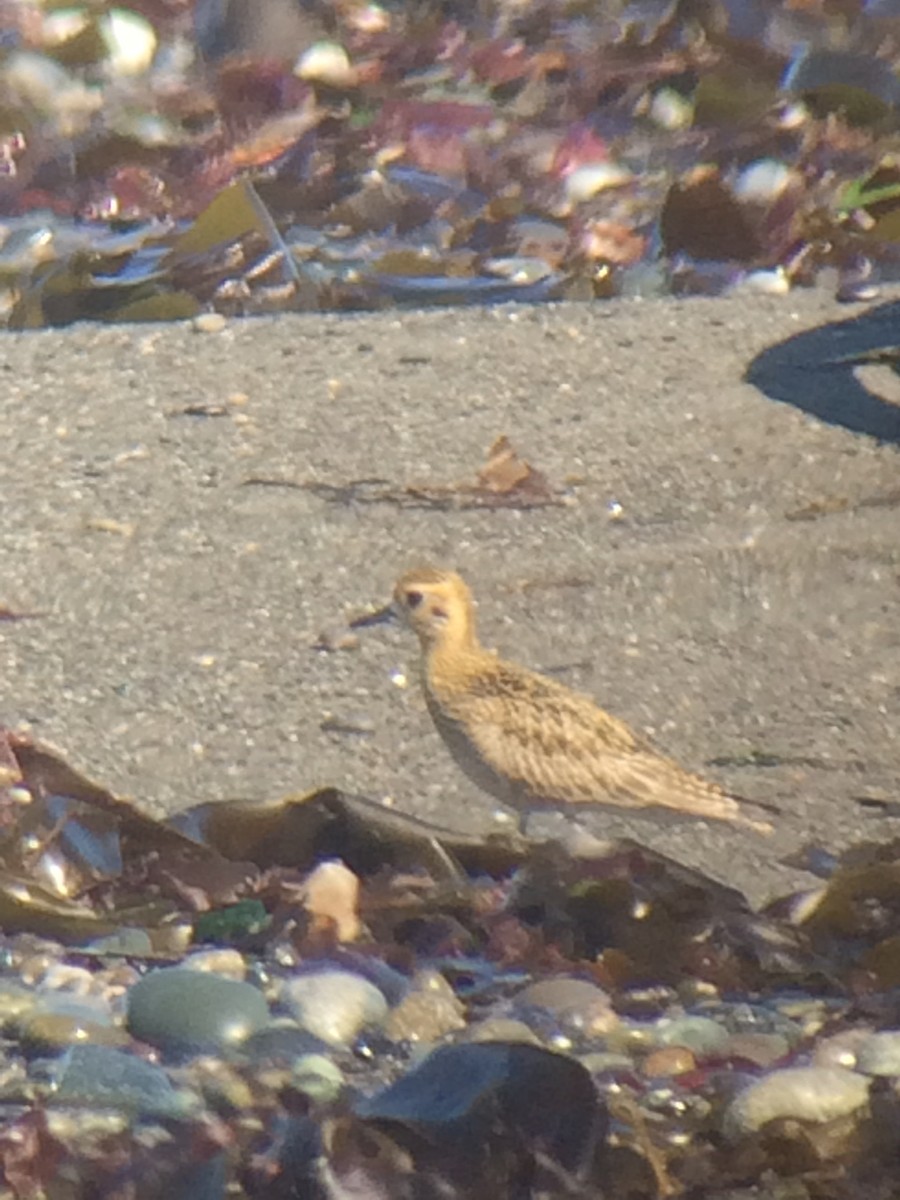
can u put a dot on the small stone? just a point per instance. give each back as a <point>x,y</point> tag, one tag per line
<point>331,897</point>
<point>327,63</point>
<point>209,322</point>
<point>815,1094</point>
<point>44,1033</point>
<point>221,960</point>
<point>15,1001</point>
<point>575,1003</point>
<point>879,1054</point>
<point>64,978</point>
<point>632,1038</point>
<point>841,1049</point>
<point>47,86</point>
<point>588,180</point>
<point>100,1077</point>
<point>763,1049</point>
<point>693,991</point>
<point>317,1077</point>
<point>669,1060</point>
<point>334,1005</point>
<point>58,27</point>
<point>670,110</point>
<point>600,1061</point>
<point>702,1035</point>
<point>794,1020</point>
<point>800,1018</point>
<point>281,1042</point>
<point>130,41</point>
<point>128,942</point>
<point>180,1010</point>
<point>91,1009</point>
<point>221,1085</point>
<point>502,1029</point>
<point>428,1011</point>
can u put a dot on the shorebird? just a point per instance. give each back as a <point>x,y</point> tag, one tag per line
<point>527,740</point>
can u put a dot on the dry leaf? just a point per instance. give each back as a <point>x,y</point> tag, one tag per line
<point>505,481</point>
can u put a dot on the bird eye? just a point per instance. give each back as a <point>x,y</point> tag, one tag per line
<point>413,599</point>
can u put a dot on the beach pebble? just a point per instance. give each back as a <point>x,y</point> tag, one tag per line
<point>763,1049</point>
<point>282,1042</point>
<point>702,1035</point>
<point>130,41</point>
<point>317,1077</point>
<point>501,1029</point>
<point>815,1094</point>
<point>427,1012</point>
<point>101,1077</point>
<point>327,63</point>
<point>334,1005</point>
<point>577,1004</point>
<point>15,1001</point>
<point>47,1033</point>
<point>219,961</point>
<point>210,322</point>
<point>841,1049</point>
<point>128,941</point>
<point>879,1053</point>
<point>331,897</point>
<point>668,1060</point>
<point>181,1010</point>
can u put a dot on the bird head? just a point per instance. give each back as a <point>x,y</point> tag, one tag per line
<point>437,605</point>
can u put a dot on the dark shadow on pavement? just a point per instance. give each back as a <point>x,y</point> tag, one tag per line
<point>814,371</point>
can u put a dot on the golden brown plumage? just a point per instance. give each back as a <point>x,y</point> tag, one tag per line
<point>530,741</point>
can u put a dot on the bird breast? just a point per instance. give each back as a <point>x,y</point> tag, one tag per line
<point>457,740</point>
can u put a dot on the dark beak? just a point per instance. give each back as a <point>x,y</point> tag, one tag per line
<point>383,616</point>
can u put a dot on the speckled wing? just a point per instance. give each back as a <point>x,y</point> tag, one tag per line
<point>556,746</point>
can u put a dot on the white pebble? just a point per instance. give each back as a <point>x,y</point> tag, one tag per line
<point>816,1094</point>
<point>774,282</point>
<point>763,181</point>
<point>593,178</point>
<point>671,110</point>
<point>210,322</point>
<point>325,62</point>
<point>130,41</point>
<point>334,1005</point>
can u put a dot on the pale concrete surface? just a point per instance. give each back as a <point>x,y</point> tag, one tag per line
<point>176,659</point>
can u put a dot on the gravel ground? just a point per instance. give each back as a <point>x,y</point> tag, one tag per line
<point>175,656</point>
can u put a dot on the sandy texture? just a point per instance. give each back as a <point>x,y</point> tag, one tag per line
<point>176,655</point>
